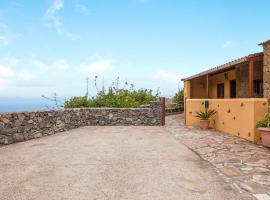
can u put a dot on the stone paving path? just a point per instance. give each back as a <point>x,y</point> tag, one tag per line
<point>242,164</point>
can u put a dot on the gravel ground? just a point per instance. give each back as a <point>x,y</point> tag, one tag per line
<point>108,163</point>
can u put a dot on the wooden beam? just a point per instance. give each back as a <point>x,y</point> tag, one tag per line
<point>251,79</point>
<point>268,106</point>
<point>207,86</point>
<point>185,110</point>
<point>162,99</point>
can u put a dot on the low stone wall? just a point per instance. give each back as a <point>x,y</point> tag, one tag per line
<point>16,127</point>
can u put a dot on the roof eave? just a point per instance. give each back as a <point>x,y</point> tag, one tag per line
<point>226,66</point>
<point>264,42</point>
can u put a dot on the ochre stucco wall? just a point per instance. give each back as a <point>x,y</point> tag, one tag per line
<point>234,116</point>
<point>220,78</point>
<point>187,89</point>
<point>198,87</point>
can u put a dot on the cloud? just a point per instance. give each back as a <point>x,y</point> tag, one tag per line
<point>60,65</point>
<point>39,65</point>
<point>9,75</point>
<point>51,16</point>
<point>25,76</point>
<point>6,72</point>
<point>6,38</point>
<point>12,60</point>
<point>82,9</point>
<point>96,68</point>
<point>4,84</point>
<point>6,76</point>
<point>166,76</point>
<point>39,74</point>
<point>53,20</point>
<point>227,44</point>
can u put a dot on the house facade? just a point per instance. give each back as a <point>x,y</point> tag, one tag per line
<point>238,90</point>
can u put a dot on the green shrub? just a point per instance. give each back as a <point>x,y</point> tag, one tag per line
<point>179,99</point>
<point>265,123</point>
<point>114,97</point>
<point>172,109</point>
<point>78,102</point>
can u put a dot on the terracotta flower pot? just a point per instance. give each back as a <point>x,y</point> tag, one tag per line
<point>265,135</point>
<point>204,124</point>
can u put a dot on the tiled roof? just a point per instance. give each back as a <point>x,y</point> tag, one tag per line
<point>266,41</point>
<point>225,66</point>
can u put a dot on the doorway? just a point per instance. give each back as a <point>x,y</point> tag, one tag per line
<point>233,89</point>
<point>220,91</point>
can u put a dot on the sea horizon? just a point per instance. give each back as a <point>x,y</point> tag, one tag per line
<point>15,104</point>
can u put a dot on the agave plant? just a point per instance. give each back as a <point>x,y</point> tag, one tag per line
<point>205,115</point>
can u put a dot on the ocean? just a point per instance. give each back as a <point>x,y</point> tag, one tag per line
<point>24,104</point>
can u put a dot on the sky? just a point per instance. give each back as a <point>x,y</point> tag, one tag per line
<point>51,46</point>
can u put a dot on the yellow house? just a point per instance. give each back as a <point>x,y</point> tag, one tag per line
<point>238,90</point>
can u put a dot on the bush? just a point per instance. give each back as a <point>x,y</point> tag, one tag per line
<point>114,97</point>
<point>172,109</point>
<point>179,99</point>
<point>78,102</point>
<point>265,123</point>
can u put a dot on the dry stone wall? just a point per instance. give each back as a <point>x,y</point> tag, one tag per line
<point>17,127</point>
<point>242,78</point>
<point>242,81</point>
<point>266,69</point>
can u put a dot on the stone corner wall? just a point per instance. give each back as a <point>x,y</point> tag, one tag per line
<point>242,81</point>
<point>266,69</point>
<point>242,78</point>
<point>21,126</point>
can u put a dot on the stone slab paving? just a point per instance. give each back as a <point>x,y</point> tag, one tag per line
<point>242,164</point>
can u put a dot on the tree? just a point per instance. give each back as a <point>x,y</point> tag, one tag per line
<point>179,99</point>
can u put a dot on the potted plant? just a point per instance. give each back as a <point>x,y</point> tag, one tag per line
<point>204,117</point>
<point>264,128</point>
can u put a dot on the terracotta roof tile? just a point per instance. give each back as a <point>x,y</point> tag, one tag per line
<point>262,43</point>
<point>224,66</point>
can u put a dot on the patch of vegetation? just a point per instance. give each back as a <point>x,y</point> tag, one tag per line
<point>114,96</point>
<point>178,99</point>
<point>265,123</point>
<point>78,102</point>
